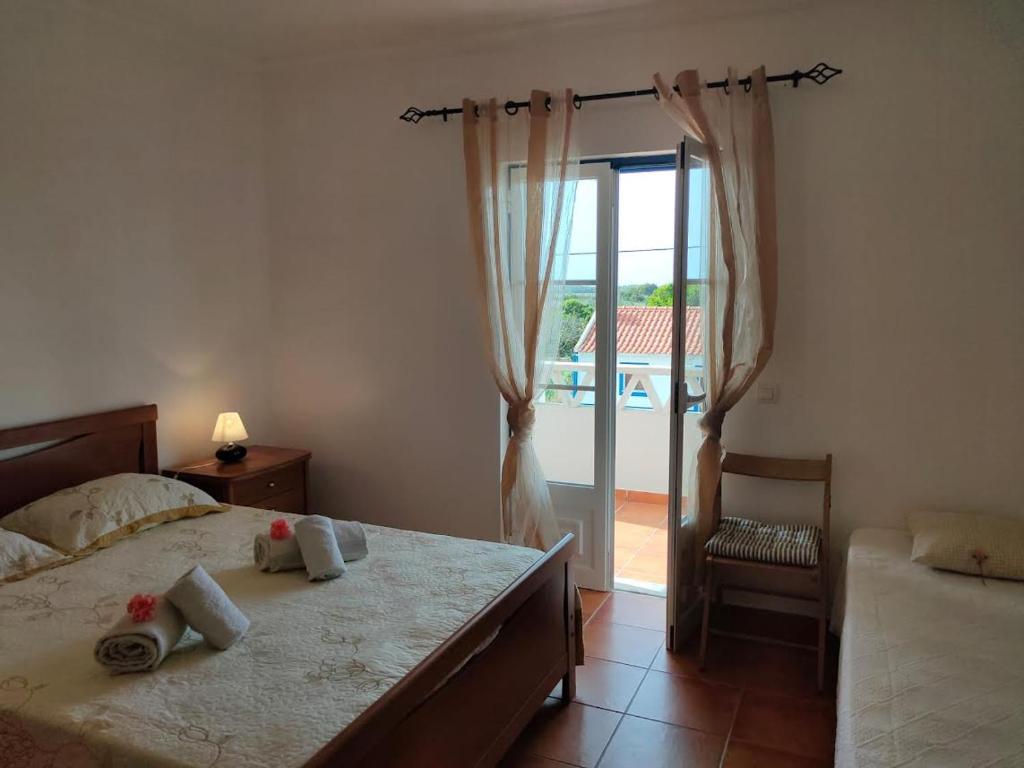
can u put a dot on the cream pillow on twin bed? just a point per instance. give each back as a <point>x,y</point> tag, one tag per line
<point>99,512</point>
<point>20,556</point>
<point>981,545</point>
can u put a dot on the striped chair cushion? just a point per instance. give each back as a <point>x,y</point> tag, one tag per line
<point>742,539</point>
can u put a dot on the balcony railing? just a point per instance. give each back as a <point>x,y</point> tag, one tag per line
<point>639,387</point>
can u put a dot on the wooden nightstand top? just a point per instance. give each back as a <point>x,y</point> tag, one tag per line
<point>259,459</point>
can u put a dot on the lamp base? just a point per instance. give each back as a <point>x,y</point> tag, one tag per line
<point>231,453</point>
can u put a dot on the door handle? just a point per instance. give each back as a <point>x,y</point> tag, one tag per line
<point>693,399</point>
<point>688,399</point>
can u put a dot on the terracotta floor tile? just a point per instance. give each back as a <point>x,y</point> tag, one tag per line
<point>572,733</point>
<point>517,758</point>
<point>592,601</point>
<point>650,744</point>
<point>688,702</point>
<point>632,535</point>
<point>622,643</point>
<point>650,515</point>
<point>646,567</point>
<point>802,726</point>
<point>643,611</point>
<point>743,755</point>
<point>681,663</point>
<point>623,558</point>
<point>607,684</point>
<point>751,664</point>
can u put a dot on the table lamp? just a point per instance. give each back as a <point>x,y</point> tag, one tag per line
<point>230,428</point>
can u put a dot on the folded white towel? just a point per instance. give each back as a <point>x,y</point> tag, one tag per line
<point>275,555</point>
<point>351,539</point>
<point>208,609</point>
<point>319,546</point>
<point>140,647</point>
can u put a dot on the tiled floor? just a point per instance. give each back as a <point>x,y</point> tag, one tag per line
<point>641,545</point>
<point>638,705</point>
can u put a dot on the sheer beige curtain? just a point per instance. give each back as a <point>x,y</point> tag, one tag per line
<point>736,129</point>
<point>521,251</point>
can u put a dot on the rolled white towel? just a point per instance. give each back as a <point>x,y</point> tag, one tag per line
<point>131,646</point>
<point>319,546</point>
<point>275,555</point>
<point>208,609</point>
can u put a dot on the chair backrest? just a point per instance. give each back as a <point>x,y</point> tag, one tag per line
<point>770,468</point>
<point>778,469</point>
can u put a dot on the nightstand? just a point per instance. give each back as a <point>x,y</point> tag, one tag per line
<point>267,478</point>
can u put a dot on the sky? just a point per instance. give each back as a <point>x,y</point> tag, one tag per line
<point>646,228</point>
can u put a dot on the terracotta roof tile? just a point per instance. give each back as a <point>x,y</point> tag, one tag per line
<point>648,331</point>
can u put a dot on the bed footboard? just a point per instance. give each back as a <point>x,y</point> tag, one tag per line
<point>449,712</point>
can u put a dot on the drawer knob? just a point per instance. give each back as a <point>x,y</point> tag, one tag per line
<point>271,484</point>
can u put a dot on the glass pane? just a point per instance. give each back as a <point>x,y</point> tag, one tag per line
<point>582,263</point>
<point>647,211</point>
<point>697,223</point>
<point>563,434</point>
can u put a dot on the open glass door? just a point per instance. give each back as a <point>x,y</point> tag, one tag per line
<point>689,342</point>
<point>573,433</point>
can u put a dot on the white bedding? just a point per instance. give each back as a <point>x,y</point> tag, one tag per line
<point>931,664</point>
<point>315,657</point>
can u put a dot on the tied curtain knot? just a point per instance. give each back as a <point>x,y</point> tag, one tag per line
<point>521,418</point>
<point>711,423</point>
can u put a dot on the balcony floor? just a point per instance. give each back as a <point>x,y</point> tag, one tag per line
<point>641,546</point>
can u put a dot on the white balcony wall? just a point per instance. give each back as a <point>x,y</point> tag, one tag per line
<point>564,440</point>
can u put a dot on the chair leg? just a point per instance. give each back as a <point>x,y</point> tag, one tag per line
<point>705,623</point>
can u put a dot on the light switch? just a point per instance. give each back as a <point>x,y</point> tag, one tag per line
<point>768,393</point>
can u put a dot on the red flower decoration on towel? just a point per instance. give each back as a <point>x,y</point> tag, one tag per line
<point>279,529</point>
<point>141,608</point>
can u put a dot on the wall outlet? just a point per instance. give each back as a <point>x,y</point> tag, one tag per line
<point>768,393</point>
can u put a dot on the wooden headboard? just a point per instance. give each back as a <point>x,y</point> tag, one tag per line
<point>88,447</point>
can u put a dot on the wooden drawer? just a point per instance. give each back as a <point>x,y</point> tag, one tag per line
<point>293,501</point>
<point>268,485</point>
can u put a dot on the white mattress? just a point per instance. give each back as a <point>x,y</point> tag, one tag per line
<point>315,657</point>
<point>931,669</point>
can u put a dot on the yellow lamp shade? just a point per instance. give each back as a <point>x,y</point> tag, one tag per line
<point>229,428</point>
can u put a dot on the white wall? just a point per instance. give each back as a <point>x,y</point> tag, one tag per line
<point>133,266</point>
<point>899,342</point>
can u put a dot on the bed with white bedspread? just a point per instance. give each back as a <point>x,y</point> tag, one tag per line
<point>931,663</point>
<point>315,657</point>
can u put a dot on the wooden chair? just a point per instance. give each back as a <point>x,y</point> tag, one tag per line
<point>789,548</point>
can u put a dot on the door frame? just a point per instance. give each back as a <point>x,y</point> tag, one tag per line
<point>583,510</point>
<point>677,616</point>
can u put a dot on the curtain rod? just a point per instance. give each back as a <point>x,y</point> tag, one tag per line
<point>820,73</point>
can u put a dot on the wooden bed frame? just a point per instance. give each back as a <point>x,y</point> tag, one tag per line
<point>447,711</point>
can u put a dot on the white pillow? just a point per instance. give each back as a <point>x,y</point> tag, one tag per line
<point>99,512</point>
<point>20,556</point>
<point>956,541</point>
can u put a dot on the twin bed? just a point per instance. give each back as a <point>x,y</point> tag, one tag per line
<point>432,651</point>
<point>931,669</point>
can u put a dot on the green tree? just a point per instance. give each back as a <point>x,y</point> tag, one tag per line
<point>575,316</point>
<point>635,295</point>
<point>662,296</point>
<point>573,307</point>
